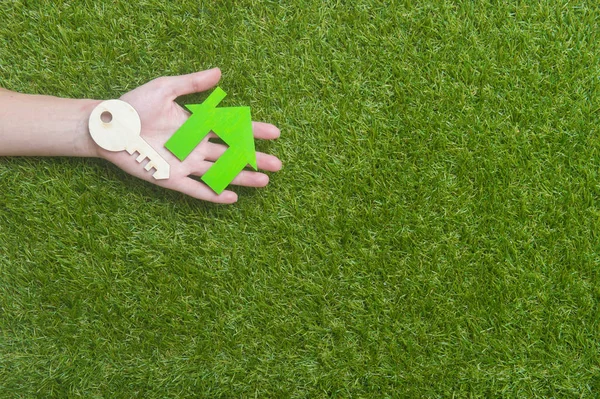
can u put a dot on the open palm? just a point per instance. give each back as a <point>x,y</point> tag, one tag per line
<point>161,116</point>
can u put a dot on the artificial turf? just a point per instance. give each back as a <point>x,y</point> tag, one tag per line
<point>434,231</point>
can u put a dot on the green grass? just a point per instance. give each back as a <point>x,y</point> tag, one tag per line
<point>435,231</point>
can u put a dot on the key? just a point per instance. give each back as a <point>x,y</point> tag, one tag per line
<point>116,126</point>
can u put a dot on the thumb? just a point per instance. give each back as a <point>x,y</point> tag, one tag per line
<point>193,82</point>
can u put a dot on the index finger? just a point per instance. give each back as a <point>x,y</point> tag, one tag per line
<point>265,131</point>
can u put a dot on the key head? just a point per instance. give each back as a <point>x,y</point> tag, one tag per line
<point>114,124</point>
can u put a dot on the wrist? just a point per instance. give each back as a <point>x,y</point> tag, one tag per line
<point>84,145</point>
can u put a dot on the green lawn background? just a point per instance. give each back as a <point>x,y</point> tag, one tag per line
<point>434,231</point>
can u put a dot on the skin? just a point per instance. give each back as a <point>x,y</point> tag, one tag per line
<point>59,127</point>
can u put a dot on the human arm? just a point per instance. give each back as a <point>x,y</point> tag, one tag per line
<point>51,126</point>
<point>37,125</point>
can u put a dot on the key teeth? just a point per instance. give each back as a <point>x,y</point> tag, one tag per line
<point>162,174</point>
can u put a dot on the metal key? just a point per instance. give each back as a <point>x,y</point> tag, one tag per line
<point>115,126</point>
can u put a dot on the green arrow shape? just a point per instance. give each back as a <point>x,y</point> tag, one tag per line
<point>233,125</point>
<point>227,167</point>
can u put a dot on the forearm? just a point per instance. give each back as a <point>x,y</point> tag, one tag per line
<point>35,125</point>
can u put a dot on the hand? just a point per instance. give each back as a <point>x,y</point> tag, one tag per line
<point>161,116</point>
